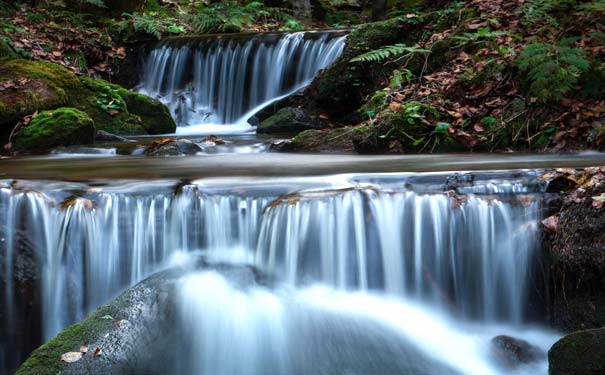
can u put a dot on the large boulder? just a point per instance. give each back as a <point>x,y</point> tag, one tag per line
<point>30,86</point>
<point>577,255</point>
<point>172,147</point>
<point>580,353</point>
<point>50,129</point>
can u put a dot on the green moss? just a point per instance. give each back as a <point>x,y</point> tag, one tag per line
<point>46,359</point>
<point>581,352</point>
<point>142,115</point>
<point>61,127</point>
<point>344,85</point>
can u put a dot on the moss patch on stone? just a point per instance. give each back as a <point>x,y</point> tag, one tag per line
<point>47,358</point>
<point>36,86</point>
<point>50,129</point>
<point>344,85</point>
<point>581,352</point>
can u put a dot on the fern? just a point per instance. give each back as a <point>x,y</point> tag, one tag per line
<point>388,51</point>
<point>597,6</point>
<point>552,70</point>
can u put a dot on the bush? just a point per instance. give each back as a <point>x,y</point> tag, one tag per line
<point>552,70</point>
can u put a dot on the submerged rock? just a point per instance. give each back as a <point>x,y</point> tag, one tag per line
<point>172,147</point>
<point>103,136</point>
<point>50,129</point>
<point>512,352</point>
<point>581,353</point>
<point>290,120</point>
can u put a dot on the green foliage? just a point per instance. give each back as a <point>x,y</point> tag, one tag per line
<point>385,52</point>
<point>482,35</point>
<point>597,6</point>
<point>151,23</point>
<point>375,104</point>
<point>231,17</point>
<point>552,70</point>
<point>536,11</point>
<point>111,100</point>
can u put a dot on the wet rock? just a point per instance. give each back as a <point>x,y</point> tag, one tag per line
<point>334,141</point>
<point>290,120</point>
<point>282,145</point>
<point>51,129</point>
<point>512,352</point>
<point>581,353</point>
<point>134,334</point>
<point>577,255</point>
<point>103,136</point>
<point>172,147</point>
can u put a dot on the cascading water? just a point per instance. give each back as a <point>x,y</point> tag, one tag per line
<point>363,239</point>
<point>226,79</point>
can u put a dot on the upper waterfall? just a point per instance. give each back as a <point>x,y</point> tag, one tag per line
<point>225,79</point>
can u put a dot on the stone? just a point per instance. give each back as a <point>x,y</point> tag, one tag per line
<point>51,129</point>
<point>581,353</point>
<point>290,120</point>
<point>512,352</point>
<point>172,147</point>
<point>103,136</point>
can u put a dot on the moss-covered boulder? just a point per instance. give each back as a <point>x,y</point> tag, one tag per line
<point>30,86</point>
<point>50,129</point>
<point>290,120</point>
<point>119,334</point>
<point>121,111</point>
<point>581,353</point>
<point>342,87</point>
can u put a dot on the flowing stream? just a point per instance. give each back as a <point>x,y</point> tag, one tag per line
<point>407,261</point>
<point>379,264</point>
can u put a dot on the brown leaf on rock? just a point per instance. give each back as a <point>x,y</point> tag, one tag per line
<point>551,223</point>
<point>98,352</point>
<point>71,357</point>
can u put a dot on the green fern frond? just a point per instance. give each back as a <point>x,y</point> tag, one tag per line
<point>388,51</point>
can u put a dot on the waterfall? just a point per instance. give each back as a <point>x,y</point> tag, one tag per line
<point>226,79</point>
<point>470,253</point>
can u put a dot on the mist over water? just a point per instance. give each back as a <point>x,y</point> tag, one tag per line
<point>372,273</point>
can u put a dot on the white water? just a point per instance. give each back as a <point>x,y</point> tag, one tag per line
<point>231,329</point>
<point>385,256</point>
<point>214,85</point>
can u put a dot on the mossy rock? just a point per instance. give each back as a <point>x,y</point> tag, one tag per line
<point>115,329</point>
<point>50,129</point>
<point>581,353</point>
<point>140,114</point>
<point>289,120</point>
<point>342,87</point>
<point>32,86</point>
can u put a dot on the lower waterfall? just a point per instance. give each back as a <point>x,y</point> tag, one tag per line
<point>368,244</point>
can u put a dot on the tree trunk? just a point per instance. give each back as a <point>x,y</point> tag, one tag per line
<point>379,10</point>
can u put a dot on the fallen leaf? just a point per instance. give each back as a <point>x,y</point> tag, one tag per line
<point>98,352</point>
<point>71,357</point>
<point>551,223</point>
<point>84,348</point>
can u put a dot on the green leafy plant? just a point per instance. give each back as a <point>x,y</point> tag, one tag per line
<point>551,71</point>
<point>110,101</point>
<point>482,35</point>
<point>150,23</point>
<point>385,52</point>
